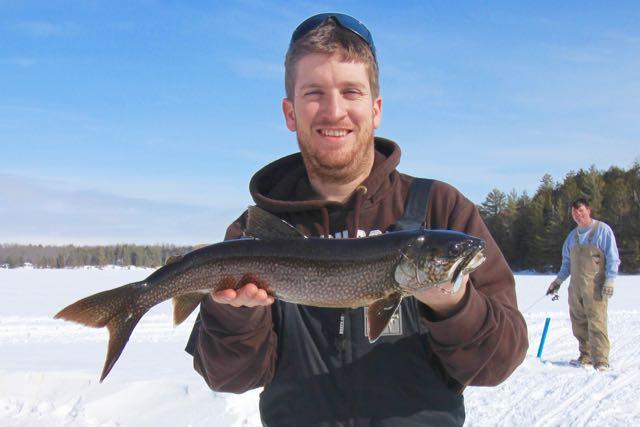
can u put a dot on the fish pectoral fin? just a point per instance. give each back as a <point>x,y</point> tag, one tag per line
<point>379,314</point>
<point>266,226</point>
<point>183,306</point>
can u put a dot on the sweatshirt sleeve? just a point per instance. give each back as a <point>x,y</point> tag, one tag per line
<point>610,250</point>
<point>235,347</point>
<point>565,268</point>
<point>486,339</point>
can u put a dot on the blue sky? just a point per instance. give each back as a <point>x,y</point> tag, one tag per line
<point>143,121</point>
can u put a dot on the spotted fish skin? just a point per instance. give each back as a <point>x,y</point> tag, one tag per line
<point>372,271</point>
<point>319,272</point>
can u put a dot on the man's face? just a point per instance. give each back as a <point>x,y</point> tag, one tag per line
<point>334,115</point>
<point>581,215</point>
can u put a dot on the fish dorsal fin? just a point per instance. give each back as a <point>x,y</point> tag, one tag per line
<point>173,259</point>
<point>379,314</point>
<point>264,225</point>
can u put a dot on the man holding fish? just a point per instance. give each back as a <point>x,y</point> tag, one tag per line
<point>323,365</point>
<point>353,293</point>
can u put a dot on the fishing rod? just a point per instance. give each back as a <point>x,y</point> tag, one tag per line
<point>554,298</point>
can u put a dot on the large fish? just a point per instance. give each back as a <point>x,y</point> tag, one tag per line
<point>376,272</point>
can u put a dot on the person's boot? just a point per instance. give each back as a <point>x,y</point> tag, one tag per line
<point>582,360</point>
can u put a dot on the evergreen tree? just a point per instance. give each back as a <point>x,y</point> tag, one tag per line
<point>522,235</point>
<point>494,204</point>
<point>491,210</point>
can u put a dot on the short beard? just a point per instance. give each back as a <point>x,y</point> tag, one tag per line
<point>346,170</point>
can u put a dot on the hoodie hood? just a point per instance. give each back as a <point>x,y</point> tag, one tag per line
<point>283,187</point>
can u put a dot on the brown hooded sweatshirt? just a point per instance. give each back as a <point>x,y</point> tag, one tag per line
<point>238,349</point>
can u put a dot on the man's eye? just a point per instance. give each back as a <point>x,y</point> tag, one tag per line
<point>352,95</point>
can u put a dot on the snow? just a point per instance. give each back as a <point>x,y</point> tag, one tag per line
<point>49,368</point>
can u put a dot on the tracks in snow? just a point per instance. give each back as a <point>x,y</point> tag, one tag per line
<point>551,393</point>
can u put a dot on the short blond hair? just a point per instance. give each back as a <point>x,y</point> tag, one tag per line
<point>331,38</point>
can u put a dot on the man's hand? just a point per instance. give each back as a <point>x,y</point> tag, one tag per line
<point>554,287</point>
<point>248,295</point>
<point>607,289</point>
<point>440,299</point>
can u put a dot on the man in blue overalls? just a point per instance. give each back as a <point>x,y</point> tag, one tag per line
<point>590,256</point>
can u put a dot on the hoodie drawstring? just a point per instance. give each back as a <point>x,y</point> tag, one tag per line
<point>324,229</point>
<point>325,221</point>
<point>361,191</point>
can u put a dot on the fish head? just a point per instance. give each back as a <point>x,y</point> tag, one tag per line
<point>435,257</point>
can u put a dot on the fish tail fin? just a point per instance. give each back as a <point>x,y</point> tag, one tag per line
<point>120,328</point>
<point>118,309</point>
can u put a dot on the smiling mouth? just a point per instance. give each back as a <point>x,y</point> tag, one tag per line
<point>334,133</point>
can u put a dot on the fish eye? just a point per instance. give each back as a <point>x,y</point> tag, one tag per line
<point>456,249</point>
<point>419,241</point>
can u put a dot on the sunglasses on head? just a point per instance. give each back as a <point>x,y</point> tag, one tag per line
<point>345,21</point>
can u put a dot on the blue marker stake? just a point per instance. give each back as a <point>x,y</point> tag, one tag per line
<point>544,336</point>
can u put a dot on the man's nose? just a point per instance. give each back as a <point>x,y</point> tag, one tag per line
<point>334,107</point>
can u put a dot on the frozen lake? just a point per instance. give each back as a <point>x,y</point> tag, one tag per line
<point>49,368</point>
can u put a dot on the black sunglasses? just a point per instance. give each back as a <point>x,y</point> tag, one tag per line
<point>345,21</point>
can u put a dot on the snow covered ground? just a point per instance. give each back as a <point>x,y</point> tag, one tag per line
<point>49,368</point>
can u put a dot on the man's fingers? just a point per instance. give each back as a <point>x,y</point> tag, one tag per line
<point>224,296</point>
<point>248,291</point>
<point>262,298</point>
<point>247,296</point>
<point>553,288</point>
<point>259,297</point>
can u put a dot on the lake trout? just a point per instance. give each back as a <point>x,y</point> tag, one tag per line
<point>374,272</point>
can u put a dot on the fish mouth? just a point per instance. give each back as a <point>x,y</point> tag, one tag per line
<point>467,265</point>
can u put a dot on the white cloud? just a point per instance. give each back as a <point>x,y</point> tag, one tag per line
<point>43,211</point>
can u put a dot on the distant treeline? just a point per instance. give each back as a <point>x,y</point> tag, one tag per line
<point>12,255</point>
<point>530,231</point>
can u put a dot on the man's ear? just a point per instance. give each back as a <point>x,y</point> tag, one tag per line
<point>377,112</point>
<point>289,114</point>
